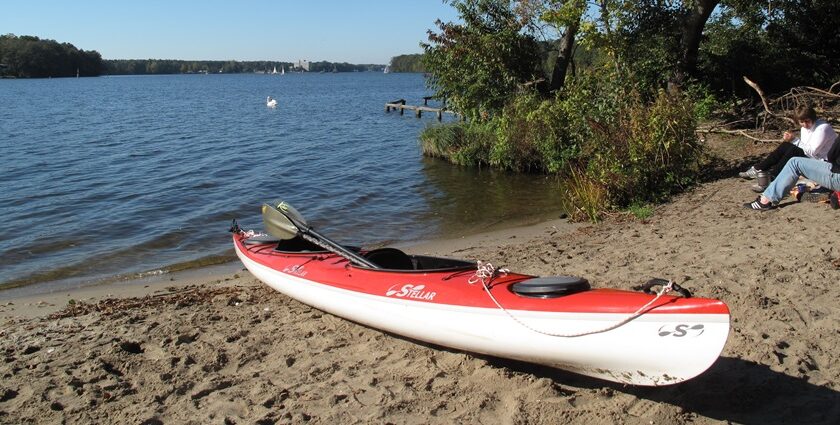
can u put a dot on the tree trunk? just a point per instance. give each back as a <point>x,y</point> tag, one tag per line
<point>564,56</point>
<point>691,35</point>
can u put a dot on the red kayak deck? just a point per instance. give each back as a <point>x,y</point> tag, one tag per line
<point>453,287</point>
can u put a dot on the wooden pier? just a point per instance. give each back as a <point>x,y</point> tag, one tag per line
<point>399,105</point>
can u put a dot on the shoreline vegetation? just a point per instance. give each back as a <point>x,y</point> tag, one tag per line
<point>612,104</point>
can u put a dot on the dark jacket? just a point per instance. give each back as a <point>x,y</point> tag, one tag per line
<point>834,156</point>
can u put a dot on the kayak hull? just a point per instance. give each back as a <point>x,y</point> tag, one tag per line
<point>671,341</point>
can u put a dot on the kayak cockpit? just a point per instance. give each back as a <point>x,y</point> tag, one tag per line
<point>394,259</point>
<point>385,258</point>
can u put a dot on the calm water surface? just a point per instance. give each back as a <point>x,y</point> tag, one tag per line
<point>115,177</point>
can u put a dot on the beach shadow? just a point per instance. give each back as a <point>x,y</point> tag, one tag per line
<point>718,168</point>
<point>786,204</point>
<point>732,390</point>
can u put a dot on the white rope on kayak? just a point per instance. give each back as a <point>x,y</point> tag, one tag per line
<point>486,272</point>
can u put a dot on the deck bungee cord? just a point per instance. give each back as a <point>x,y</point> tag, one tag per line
<point>485,273</point>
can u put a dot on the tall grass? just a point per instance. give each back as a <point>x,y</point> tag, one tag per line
<point>461,143</point>
<point>586,198</point>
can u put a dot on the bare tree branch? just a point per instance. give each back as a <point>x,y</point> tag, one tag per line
<point>739,133</point>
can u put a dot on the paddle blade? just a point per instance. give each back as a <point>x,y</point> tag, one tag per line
<point>291,212</point>
<point>278,220</point>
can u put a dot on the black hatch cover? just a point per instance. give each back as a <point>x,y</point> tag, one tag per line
<point>550,287</point>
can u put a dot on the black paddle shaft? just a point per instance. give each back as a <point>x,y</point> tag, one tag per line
<point>332,246</point>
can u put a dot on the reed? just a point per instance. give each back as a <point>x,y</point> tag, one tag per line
<point>586,199</point>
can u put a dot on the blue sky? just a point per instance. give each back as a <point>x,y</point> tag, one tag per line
<point>369,31</point>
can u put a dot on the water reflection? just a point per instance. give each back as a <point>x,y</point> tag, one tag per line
<point>470,200</point>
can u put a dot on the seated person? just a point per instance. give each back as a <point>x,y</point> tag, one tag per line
<point>826,173</point>
<point>814,141</point>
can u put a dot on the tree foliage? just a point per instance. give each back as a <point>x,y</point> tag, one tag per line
<point>781,44</point>
<point>480,64</point>
<point>28,56</point>
<point>407,63</point>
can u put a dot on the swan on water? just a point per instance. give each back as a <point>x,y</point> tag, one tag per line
<point>270,102</point>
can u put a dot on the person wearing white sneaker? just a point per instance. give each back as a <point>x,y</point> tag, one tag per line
<point>816,137</point>
<point>825,173</point>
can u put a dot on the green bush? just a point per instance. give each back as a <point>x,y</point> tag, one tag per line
<point>641,211</point>
<point>533,135</point>
<point>614,147</point>
<point>650,153</point>
<point>705,101</point>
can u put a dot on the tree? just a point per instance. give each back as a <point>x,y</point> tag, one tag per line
<point>564,17</point>
<point>29,56</point>
<point>692,31</point>
<point>782,44</point>
<point>478,65</point>
<point>807,35</point>
<point>407,63</point>
<point>658,40</point>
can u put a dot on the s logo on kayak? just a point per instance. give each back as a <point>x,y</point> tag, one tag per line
<point>416,292</point>
<point>296,270</point>
<point>681,330</point>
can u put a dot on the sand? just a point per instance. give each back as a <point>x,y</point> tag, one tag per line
<point>226,349</point>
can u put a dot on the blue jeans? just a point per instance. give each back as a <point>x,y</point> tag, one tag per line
<point>813,169</point>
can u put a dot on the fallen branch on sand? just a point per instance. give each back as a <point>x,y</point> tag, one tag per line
<point>736,132</point>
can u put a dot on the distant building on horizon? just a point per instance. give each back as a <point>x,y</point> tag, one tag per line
<point>303,64</point>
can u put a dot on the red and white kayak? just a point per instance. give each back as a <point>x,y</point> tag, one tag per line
<point>622,336</point>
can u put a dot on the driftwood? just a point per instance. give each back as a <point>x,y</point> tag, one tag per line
<point>825,102</point>
<point>765,103</point>
<point>776,113</point>
<point>739,133</point>
<point>761,95</point>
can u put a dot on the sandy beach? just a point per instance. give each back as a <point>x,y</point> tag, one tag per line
<point>224,348</point>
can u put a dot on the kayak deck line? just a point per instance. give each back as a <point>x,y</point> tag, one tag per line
<point>486,272</point>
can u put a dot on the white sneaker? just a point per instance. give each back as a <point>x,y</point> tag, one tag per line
<point>750,174</point>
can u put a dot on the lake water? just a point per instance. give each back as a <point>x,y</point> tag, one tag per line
<point>118,177</point>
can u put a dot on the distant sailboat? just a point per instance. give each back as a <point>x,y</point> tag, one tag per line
<point>387,70</point>
<point>282,70</point>
<point>275,70</point>
<point>271,103</point>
